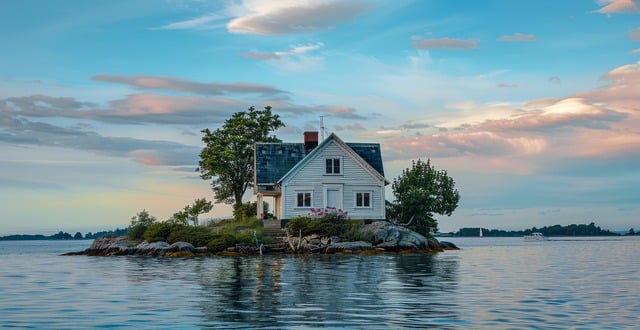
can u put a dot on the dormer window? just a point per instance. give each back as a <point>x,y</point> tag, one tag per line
<point>333,166</point>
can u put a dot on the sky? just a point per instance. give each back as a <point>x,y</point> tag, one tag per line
<point>532,107</point>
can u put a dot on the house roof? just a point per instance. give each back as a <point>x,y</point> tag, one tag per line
<point>274,160</point>
<point>370,152</point>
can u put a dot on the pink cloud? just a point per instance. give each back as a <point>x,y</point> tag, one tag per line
<point>154,104</point>
<point>189,86</point>
<point>580,129</point>
<point>617,6</point>
<point>635,35</point>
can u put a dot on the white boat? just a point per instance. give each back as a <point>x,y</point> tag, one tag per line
<point>535,237</point>
<point>480,232</point>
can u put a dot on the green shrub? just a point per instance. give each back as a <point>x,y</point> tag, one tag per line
<point>136,232</point>
<point>330,224</point>
<point>160,231</point>
<point>246,237</point>
<point>326,226</point>
<point>221,241</point>
<point>245,211</point>
<point>198,236</point>
<point>353,232</point>
<point>228,233</point>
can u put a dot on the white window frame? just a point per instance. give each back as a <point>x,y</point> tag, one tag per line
<point>303,199</point>
<point>355,199</point>
<point>333,159</point>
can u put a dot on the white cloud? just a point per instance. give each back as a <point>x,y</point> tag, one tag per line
<point>283,17</point>
<point>445,43</point>
<point>199,23</point>
<point>517,37</point>
<point>293,51</point>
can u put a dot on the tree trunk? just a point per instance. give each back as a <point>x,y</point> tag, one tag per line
<point>237,195</point>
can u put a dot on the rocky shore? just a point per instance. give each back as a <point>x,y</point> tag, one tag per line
<point>385,237</point>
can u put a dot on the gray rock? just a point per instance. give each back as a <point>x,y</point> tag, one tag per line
<point>108,245</point>
<point>448,245</point>
<point>181,247</point>
<point>351,246</point>
<point>201,250</point>
<point>433,244</point>
<point>410,240</point>
<point>152,249</point>
<point>392,237</point>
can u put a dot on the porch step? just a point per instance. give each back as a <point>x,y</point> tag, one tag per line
<point>273,235</point>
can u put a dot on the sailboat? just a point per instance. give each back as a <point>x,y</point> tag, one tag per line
<point>480,232</point>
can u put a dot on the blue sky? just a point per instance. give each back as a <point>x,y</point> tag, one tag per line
<point>533,107</point>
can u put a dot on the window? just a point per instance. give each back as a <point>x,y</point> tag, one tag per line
<point>332,166</point>
<point>304,199</point>
<point>363,199</point>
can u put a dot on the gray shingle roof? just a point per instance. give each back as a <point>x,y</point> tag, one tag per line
<point>370,152</point>
<point>274,160</point>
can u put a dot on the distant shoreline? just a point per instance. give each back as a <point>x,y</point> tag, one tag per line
<point>63,236</point>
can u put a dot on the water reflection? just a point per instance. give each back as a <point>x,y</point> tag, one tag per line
<point>387,291</point>
<point>501,283</point>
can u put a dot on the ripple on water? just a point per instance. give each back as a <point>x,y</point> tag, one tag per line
<point>501,285</point>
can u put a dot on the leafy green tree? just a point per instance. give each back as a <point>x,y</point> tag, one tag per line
<point>227,158</point>
<point>191,212</point>
<point>420,192</point>
<point>139,224</point>
<point>179,218</point>
<point>198,207</point>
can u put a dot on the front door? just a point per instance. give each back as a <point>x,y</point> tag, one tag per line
<point>333,196</point>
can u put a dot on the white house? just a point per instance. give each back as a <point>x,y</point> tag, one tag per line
<point>301,176</point>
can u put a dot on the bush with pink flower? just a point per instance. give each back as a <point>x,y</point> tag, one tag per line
<point>328,213</point>
<point>325,221</point>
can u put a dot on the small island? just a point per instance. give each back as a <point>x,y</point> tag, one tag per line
<point>328,196</point>
<point>328,233</point>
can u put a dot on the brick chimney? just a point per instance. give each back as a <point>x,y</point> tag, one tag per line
<point>310,141</point>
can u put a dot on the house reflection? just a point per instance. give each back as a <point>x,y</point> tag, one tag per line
<point>329,290</point>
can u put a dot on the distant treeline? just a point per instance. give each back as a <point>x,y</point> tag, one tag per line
<point>556,230</point>
<point>64,235</point>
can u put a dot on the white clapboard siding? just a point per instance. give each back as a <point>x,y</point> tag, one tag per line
<point>354,178</point>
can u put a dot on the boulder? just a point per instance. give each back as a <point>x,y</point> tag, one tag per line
<point>433,244</point>
<point>410,240</point>
<point>181,247</point>
<point>393,237</point>
<point>349,246</point>
<point>151,249</point>
<point>108,245</point>
<point>448,245</point>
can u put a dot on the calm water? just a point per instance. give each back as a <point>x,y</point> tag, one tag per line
<point>491,283</point>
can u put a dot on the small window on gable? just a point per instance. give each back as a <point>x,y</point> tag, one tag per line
<point>304,199</point>
<point>363,199</point>
<point>332,166</point>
